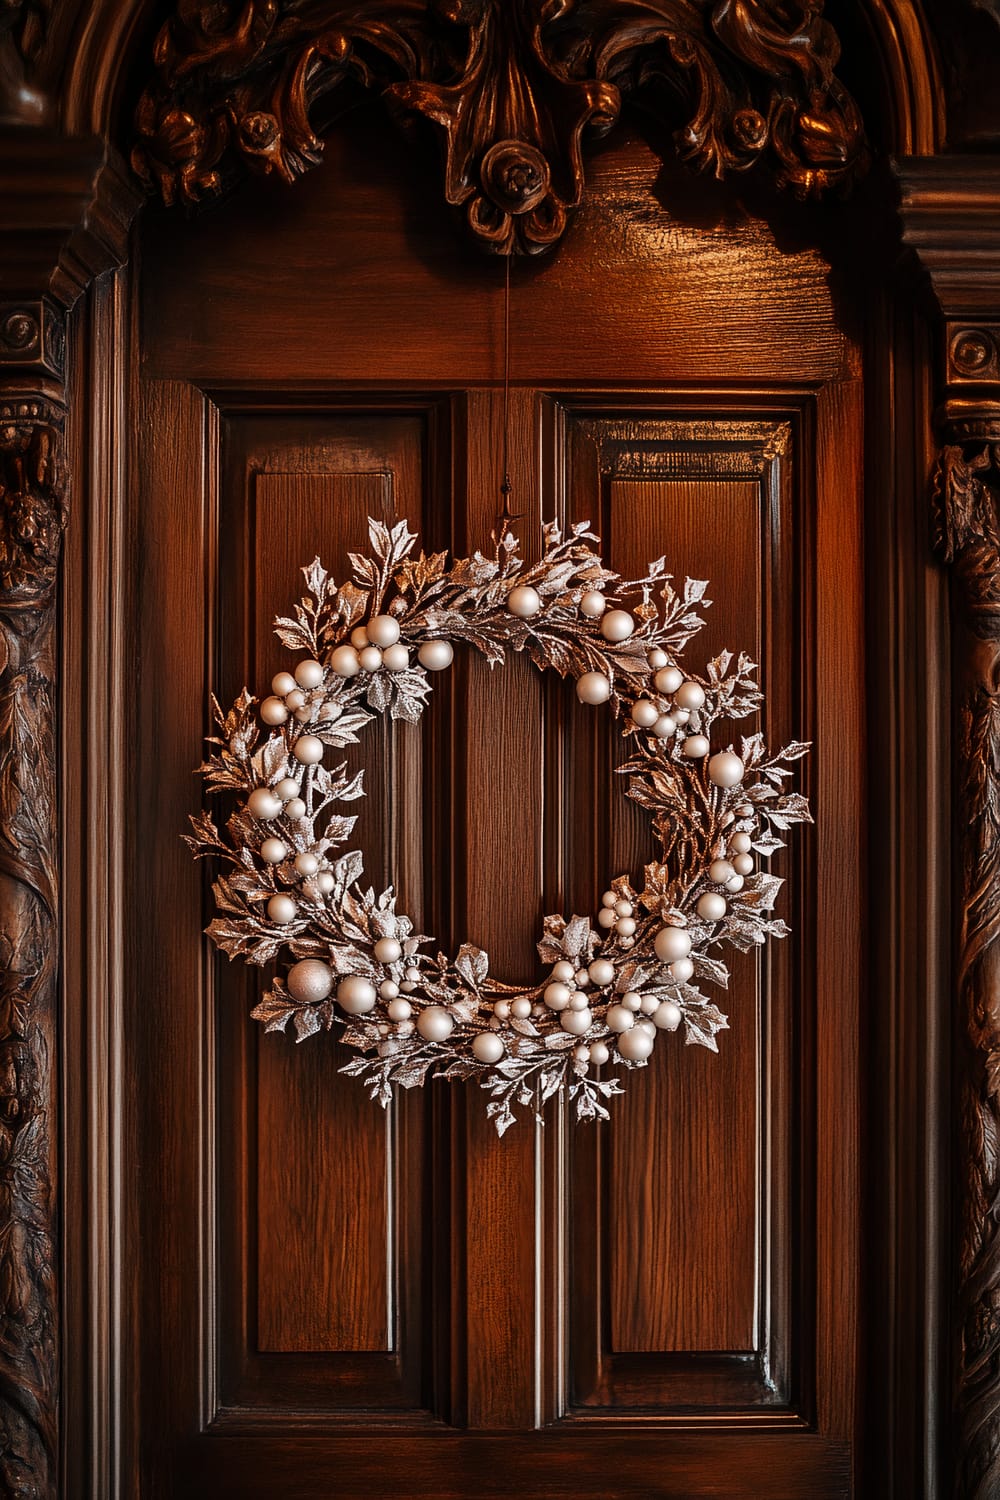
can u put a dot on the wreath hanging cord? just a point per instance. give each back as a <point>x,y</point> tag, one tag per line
<point>615,983</point>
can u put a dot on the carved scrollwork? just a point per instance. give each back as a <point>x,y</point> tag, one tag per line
<point>515,87</point>
<point>967,523</point>
<point>32,513</point>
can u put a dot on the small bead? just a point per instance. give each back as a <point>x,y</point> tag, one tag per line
<point>619,1018</point>
<point>636,1045</point>
<point>370,658</point>
<point>383,630</point>
<point>412,973</point>
<point>359,637</point>
<point>601,971</point>
<point>387,950</point>
<point>520,1009</point>
<point>398,1010</point>
<point>283,683</point>
<point>307,864</point>
<point>609,899</point>
<point>501,1010</point>
<point>273,851</point>
<point>606,917</point>
<point>696,746</point>
<point>435,1024</point>
<point>577,1000</point>
<point>743,864</point>
<point>389,989</point>
<point>524,601</point>
<point>734,884</point>
<point>623,908</point>
<point>740,843</point>
<point>631,1000</point>
<point>720,870</point>
<point>581,979</point>
<point>304,713</point>
<point>667,1016</point>
<point>625,926</point>
<point>436,655</point>
<point>665,726</point>
<point>599,1053</point>
<point>263,804</point>
<point>396,658</point>
<point>282,909</point>
<point>581,1053</point>
<point>690,695</point>
<point>273,711</point>
<point>617,625</point>
<point>356,995</point>
<point>309,674</point>
<point>287,789</point>
<point>657,658</point>
<point>308,750</point>
<point>309,981</point>
<point>593,688</point>
<point>648,1004</point>
<point>563,971</point>
<point>668,680</point>
<point>487,1047</point>
<point>671,943</point>
<point>644,713</point>
<point>557,996</point>
<point>345,661</point>
<point>712,907</point>
<point>325,881</point>
<point>295,698</point>
<point>295,809</point>
<point>682,970</point>
<point>593,604</point>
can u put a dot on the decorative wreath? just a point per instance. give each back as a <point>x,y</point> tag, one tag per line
<point>613,984</point>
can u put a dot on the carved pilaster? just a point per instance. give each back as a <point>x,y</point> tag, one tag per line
<point>32,513</point>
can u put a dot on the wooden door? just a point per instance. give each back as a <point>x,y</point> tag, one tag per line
<point>333,1300</point>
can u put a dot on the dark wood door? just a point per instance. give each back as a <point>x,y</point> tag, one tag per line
<point>333,1300</point>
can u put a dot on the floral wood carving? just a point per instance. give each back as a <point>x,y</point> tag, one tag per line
<point>967,493</point>
<point>31,524</point>
<point>514,86</point>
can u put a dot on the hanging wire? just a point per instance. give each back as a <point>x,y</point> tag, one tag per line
<point>506,514</point>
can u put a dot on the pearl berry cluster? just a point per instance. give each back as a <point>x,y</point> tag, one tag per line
<point>614,984</point>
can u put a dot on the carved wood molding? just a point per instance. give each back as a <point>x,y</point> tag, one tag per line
<point>32,514</point>
<point>515,87</point>
<point>950,210</point>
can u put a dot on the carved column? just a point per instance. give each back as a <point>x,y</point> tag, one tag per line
<point>951,216</point>
<point>67,207</point>
<point>32,514</point>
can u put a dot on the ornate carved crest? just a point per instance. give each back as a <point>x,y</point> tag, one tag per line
<point>515,87</point>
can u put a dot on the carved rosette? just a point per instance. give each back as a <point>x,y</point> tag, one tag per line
<point>515,87</point>
<point>967,524</point>
<point>31,523</point>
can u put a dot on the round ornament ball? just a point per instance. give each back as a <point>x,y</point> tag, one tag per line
<point>617,625</point>
<point>601,971</point>
<point>562,971</point>
<point>309,674</point>
<point>743,864</point>
<point>396,658</point>
<point>387,950</point>
<point>695,746</point>
<point>557,995</point>
<point>606,917</point>
<point>524,601</point>
<point>657,658</point>
<point>295,698</point>
<point>576,1022</point>
<point>593,604</point>
<point>712,907</point>
<point>398,1009</point>
<point>295,809</point>
<point>370,658</point>
<point>740,843</point>
<point>682,969</point>
<point>610,899</point>
<point>487,1047</point>
<point>345,661</point>
<point>435,1024</point>
<point>281,909</point>
<point>635,1045</point>
<point>668,680</point>
<point>309,981</point>
<point>664,727</point>
<point>383,630</point>
<point>644,713</point>
<point>283,683</point>
<point>667,1016</point>
<point>273,851</point>
<point>619,1018</point>
<point>359,637</point>
<point>631,1000</point>
<point>325,881</point>
<point>263,804</point>
<point>690,695</point>
<point>720,870</point>
<point>306,864</point>
<point>356,995</point>
<point>308,750</point>
<point>725,769</point>
<point>625,926</point>
<point>436,655</point>
<point>520,1008</point>
<point>593,687</point>
<point>273,711</point>
<point>671,943</point>
<point>599,1053</point>
<point>734,883</point>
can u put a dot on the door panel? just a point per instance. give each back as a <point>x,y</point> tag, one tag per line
<point>368,1299</point>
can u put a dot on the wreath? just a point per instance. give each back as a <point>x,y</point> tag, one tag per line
<point>614,983</point>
